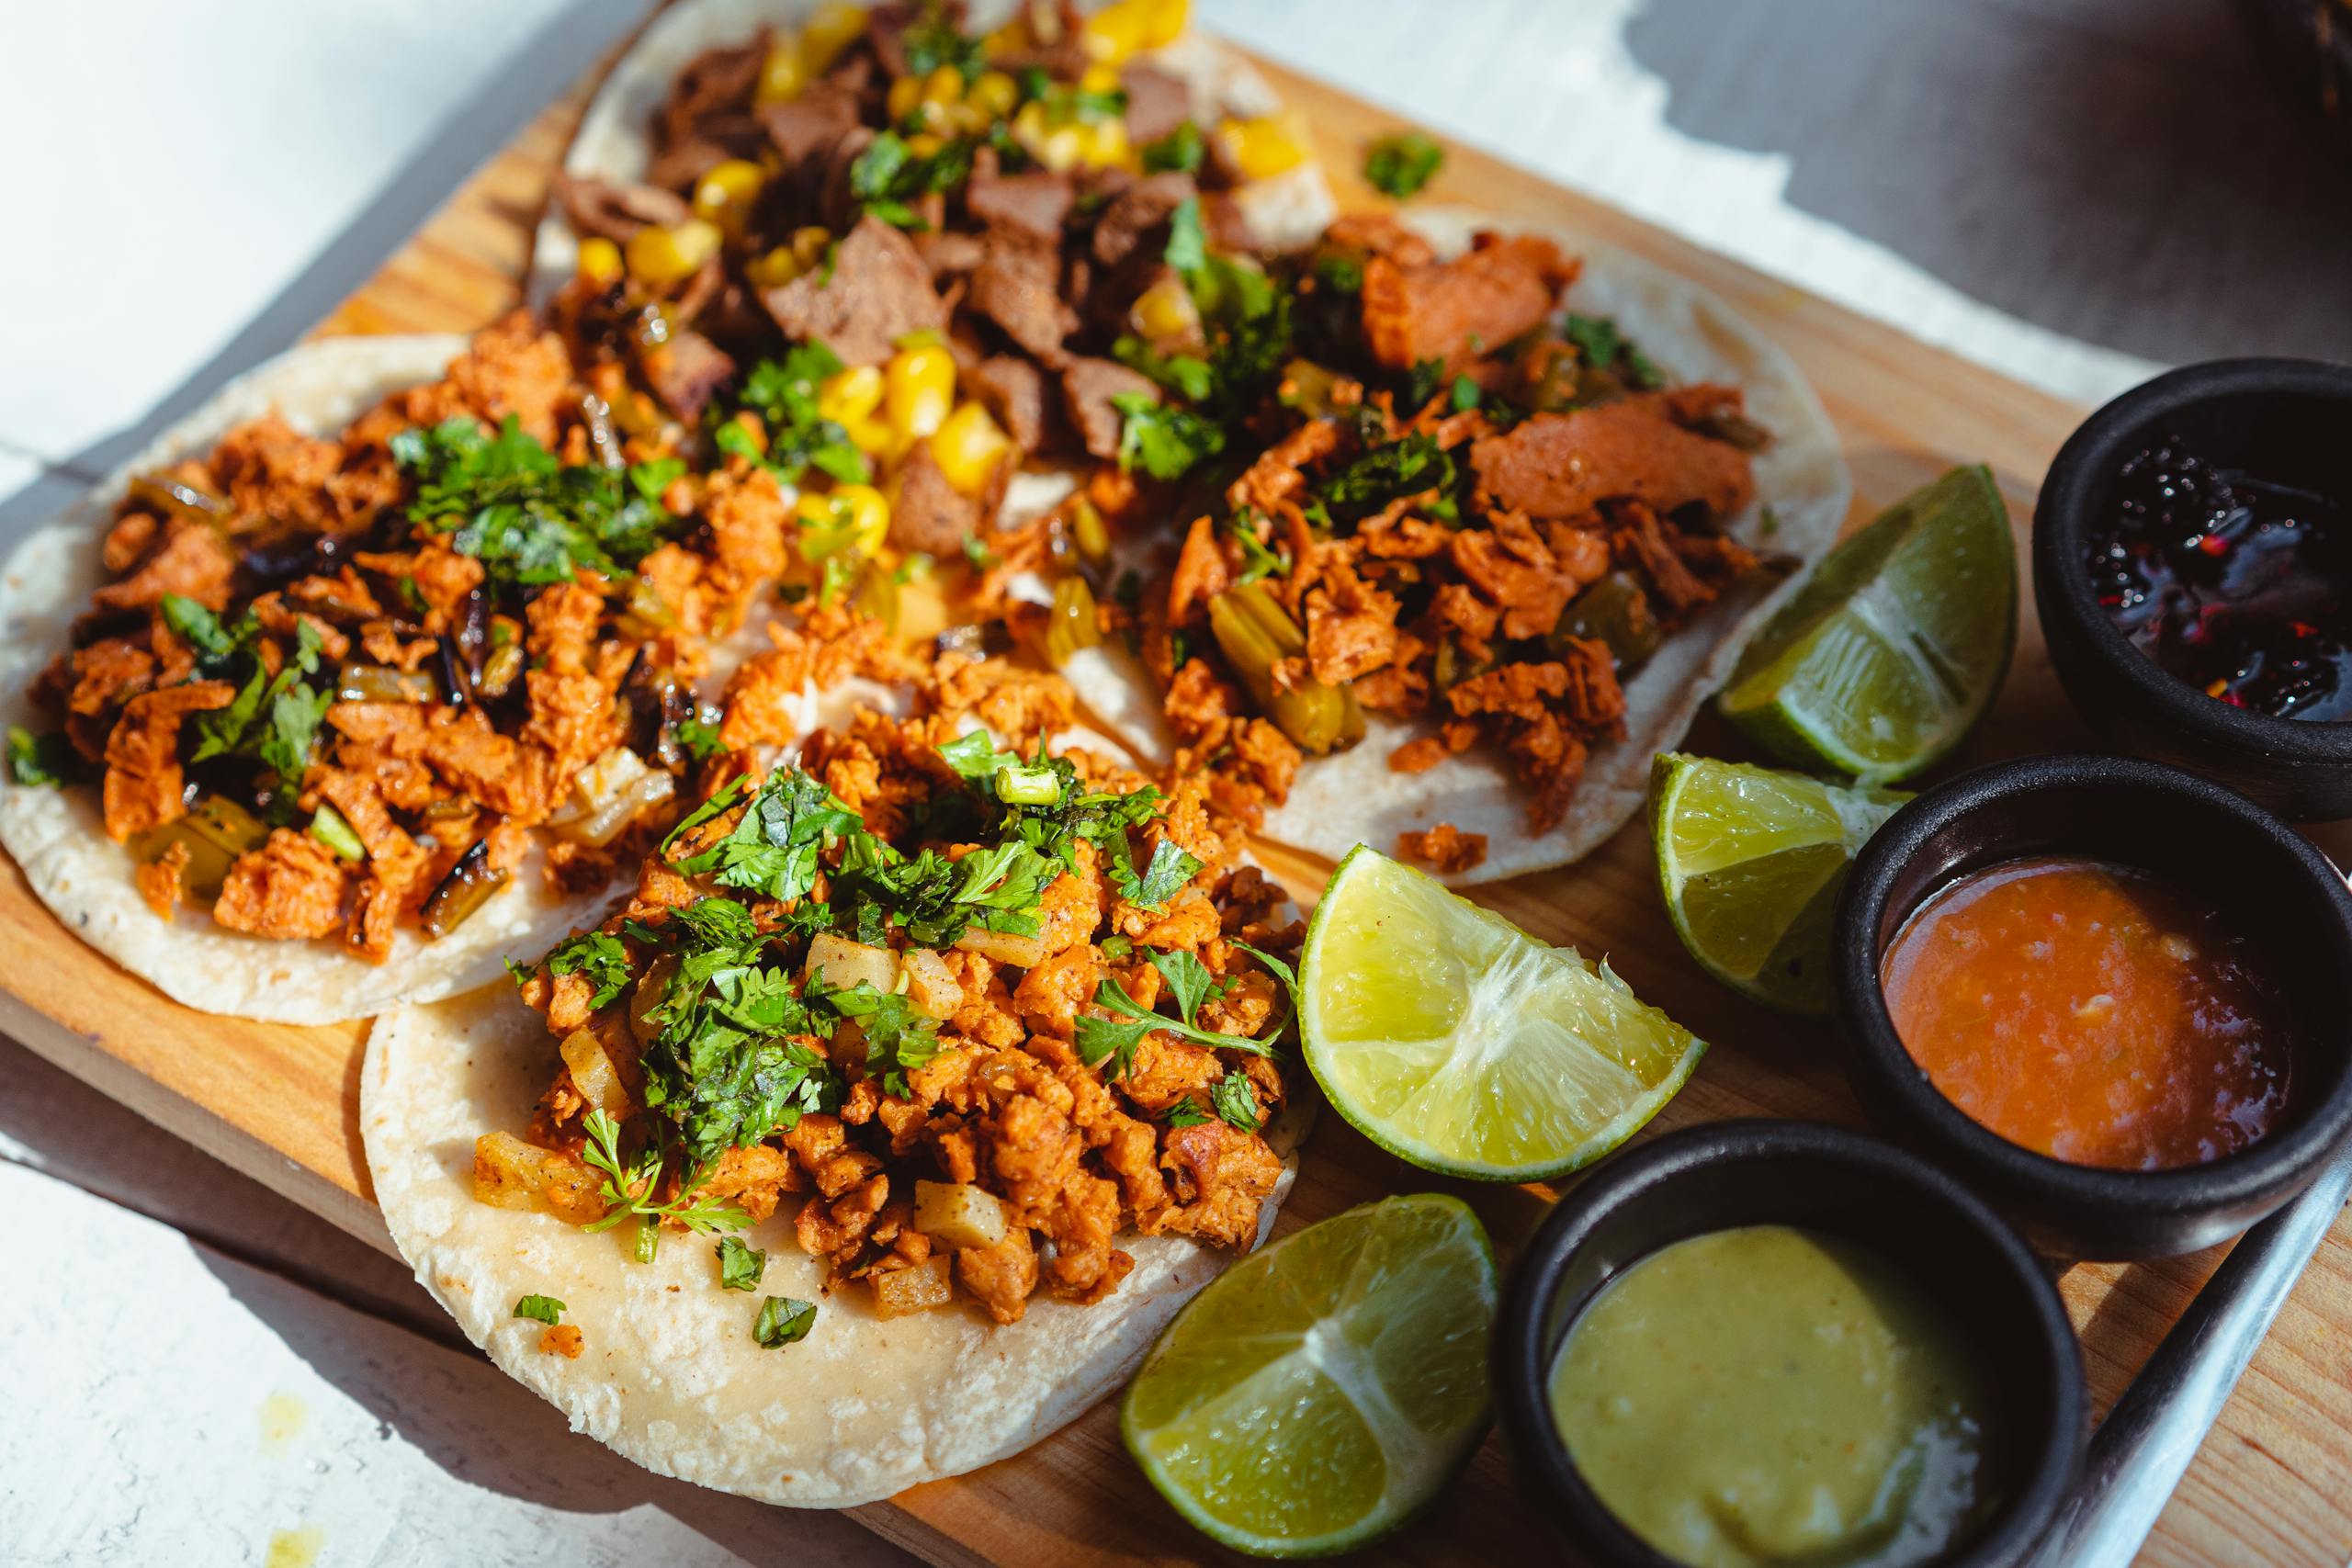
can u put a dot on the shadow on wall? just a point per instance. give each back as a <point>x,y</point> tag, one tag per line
<point>2113,170</point>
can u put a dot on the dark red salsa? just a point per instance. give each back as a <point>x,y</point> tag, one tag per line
<point>2238,585</point>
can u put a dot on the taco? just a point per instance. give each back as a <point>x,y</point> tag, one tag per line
<point>926,1075</point>
<point>1465,529</point>
<point>909,241</point>
<point>378,667</point>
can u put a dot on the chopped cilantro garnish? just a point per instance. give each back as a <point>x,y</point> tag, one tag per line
<point>1466,394</point>
<point>1188,1113</point>
<point>887,179</point>
<point>1103,1041</point>
<point>897,1038</point>
<point>1163,441</point>
<point>540,1309</point>
<point>628,1187</point>
<point>1605,348</point>
<point>783,1320</point>
<point>42,761</point>
<point>1259,559</point>
<point>1170,868</point>
<point>699,736</point>
<point>1236,1101</point>
<point>1180,150</point>
<point>1188,238</point>
<point>1399,166</point>
<point>783,393</point>
<point>529,517</point>
<point>273,717</point>
<point>1181,373</point>
<point>740,1268</point>
<point>773,849</point>
<point>1411,467</point>
<point>598,956</point>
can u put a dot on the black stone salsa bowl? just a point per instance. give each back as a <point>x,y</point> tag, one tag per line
<point>1818,1178</point>
<point>2248,862</point>
<point>2288,420</point>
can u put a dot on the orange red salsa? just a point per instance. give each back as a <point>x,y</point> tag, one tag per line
<point>2094,1013</point>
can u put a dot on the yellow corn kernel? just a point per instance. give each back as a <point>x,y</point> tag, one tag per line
<point>1165,313</point>
<point>1116,31</point>
<point>1063,148</point>
<point>782,73</point>
<point>850,518</point>
<point>1263,148</point>
<point>1029,123</point>
<point>808,246</point>
<point>993,93</point>
<point>851,395</point>
<point>774,270</point>
<point>923,144</point>
<point>918,387</point>
<point>726,194</point>
<point>871,436</point>
<point>829,29</point>
<point>966,118</point>
<point>906,94</point>
<point>658,257</point>
<point>968,446</point>
<point>944,85</point>
<point>1105,143</point>
<point>1099,78</point>
<point>600,259</point>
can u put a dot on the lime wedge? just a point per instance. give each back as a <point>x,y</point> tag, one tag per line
<point>1454,1040</point>
<point>1319,1392</point>
<point>1750,861</point>
<point>1882,662</point>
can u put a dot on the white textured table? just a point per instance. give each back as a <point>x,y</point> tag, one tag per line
<point>199,1373</point>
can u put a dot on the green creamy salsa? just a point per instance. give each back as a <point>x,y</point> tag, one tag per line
<point>1772,1396</point>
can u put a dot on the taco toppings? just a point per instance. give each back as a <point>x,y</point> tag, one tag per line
<point>1419,489</point>
<point>330,685</point>
<point>910,253</point>
<point>981,1007</point>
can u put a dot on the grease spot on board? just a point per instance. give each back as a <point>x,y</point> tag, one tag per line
<point>282,1416</point>
<point>297,1548</point>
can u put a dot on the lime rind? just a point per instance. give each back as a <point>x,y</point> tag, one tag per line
<point>1322,1391</point>
<point>1750,861</point>
<point>1456,1041</point>
<point>1885,659</point>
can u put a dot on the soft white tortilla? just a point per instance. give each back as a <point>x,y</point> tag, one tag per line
<point>671,1376</point>
<point>614,141</point>
<point>56,835</point>
<point>1355,797</point>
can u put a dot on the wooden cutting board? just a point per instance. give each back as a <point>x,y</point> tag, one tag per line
<point>2273,1483</point>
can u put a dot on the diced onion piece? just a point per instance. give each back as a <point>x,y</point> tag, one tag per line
<point>608,795</point>
<point>956,1214</point>
<point>1003,947</point>
<point>593,1075</point>
<point>842,965</point>
<point>932,985</point>
<point>510,1173</point>
<point>898,1292</point>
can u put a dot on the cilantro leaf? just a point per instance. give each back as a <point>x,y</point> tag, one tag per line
<point>783,393</point>
<point>976,755</point>
<point>596,954</point>
<point>529,517</point>
<point>1164,442</point>
<point>699,737</point>
<point>1181,373</point>
<point>1188,238</point>
<point>740,1267</point>
<point>1170,868</point>
<point>1466,394</point>
<point>197,627</point>
<point>1280,970</point>
<point>1400,166</point>
<point>897,1038</point>
<point>1182,149</point>
<point>282,742</point>
<point>887,177</point>
<point>1236,1100</point>
<point>1187,1112</point>
<point>1114,1041</point>
<point>540,1309</point>
<point>772,848</point>
<point>1411,466</point>
<point>783,1320</point>
<point>1605,348</point>
<point>44,761</point>
<point>628,1187</point>
<point>1189,980</point>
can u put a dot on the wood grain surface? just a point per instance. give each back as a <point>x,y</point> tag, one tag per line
<point>2273,1483</point>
